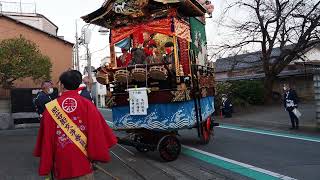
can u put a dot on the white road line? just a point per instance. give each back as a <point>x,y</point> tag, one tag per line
<point>280,176</point>
<point>264,132</point>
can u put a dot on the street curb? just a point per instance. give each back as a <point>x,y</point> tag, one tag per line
<point>27,126</point>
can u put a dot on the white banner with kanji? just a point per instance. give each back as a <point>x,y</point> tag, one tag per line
<point>138,99</point>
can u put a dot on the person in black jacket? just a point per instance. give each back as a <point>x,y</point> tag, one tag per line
<point>138,56</point>
<point>226,108</point>
<point>43,97</point>
<point>169,56</point>
<point>290,103</point>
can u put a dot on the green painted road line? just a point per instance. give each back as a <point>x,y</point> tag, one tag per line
<point>270,133</point>
<point>231,165</point>
<point>234,166</point>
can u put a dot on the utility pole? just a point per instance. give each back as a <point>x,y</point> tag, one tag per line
<point>85,39</point>
<point>89,63</point>
<point>77,62</point>
<point>86,36</point>
<point>20,7</point>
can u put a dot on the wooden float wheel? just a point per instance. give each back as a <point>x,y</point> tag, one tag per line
<point>169,147</point>
<point>207,131</point>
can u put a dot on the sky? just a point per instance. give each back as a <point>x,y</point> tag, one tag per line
<point>65,14</point>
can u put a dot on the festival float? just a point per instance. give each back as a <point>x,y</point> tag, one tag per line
<point>160,83</point>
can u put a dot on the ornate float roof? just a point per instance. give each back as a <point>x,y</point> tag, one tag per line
<point>113,12</point>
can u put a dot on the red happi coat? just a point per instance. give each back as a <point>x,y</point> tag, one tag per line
<point>58,153</point>
<point>124,60</point>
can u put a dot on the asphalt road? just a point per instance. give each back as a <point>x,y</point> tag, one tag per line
<point>17,162</point>
<point>294,158</point>
<point>236,154</point>
<point>291,157</point>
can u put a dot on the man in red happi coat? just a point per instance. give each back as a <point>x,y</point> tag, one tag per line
<point>59,153</point>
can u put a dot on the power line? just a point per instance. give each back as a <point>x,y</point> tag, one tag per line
<point>100,49</point>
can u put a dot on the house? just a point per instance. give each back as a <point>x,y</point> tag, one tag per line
<point>35,20</point>
<point>40,30</point>
<point>298,73</point>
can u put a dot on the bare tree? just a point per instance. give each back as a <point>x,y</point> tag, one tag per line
<point>291,26</point>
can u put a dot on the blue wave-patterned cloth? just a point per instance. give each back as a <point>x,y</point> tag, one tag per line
<point>169,116</point>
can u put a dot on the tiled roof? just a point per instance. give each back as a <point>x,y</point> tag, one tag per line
<point>242,61</point>
<point>247,61</point>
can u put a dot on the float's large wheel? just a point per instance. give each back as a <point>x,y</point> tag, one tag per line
<point>169,148</point>
<point>207,131</point>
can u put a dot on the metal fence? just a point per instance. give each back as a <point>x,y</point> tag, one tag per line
<point>21,100</point>
<point>22,107</point>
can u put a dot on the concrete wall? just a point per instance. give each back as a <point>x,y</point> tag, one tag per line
<point>59,52</point>
<point>316,79</point>
<point>6,121</point>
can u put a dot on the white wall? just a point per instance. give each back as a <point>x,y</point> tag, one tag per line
<point>36,21</point>
<point>99,93</point>
<point>48,27</point>
<point>312,55</point>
